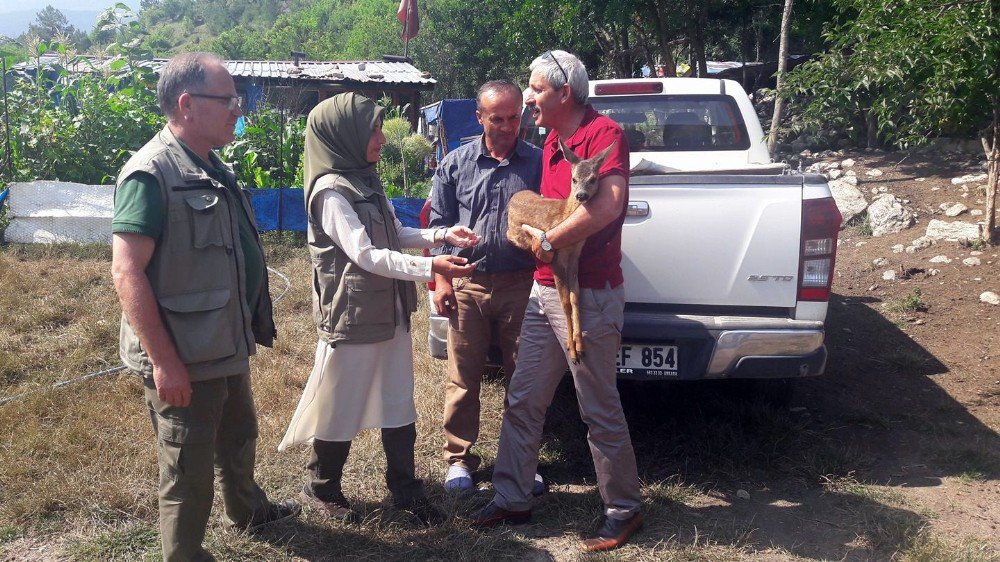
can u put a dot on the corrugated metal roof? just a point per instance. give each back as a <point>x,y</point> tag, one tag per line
<point>374,72</point>
<point>333,71</point>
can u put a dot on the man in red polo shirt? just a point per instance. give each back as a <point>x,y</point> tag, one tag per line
<point>557,94</point>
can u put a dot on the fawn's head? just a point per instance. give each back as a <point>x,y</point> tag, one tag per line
<point>585,172</point>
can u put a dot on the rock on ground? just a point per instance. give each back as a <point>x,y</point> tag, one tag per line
<point>955,210</point>
<point>969,178</point>
<point>887,215</point>
<point>849,198</point>
<point>956,230</point>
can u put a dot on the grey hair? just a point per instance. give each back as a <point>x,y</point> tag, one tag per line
<point>574,69</point>
<point>182,73</point>
<point>497,87</point>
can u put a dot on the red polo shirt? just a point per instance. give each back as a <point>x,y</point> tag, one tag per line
<point>600,261</point>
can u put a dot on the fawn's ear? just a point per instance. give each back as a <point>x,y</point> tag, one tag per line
<point>568,153</point>
<point>603,155</point>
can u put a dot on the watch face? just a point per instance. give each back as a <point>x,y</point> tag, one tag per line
<point>546,245</point>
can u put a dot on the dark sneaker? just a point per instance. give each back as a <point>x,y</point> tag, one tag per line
<point>276,511</point>
<point>337,509</point>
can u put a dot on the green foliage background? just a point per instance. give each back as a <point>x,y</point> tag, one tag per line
<point>883,72</point>
<point>900,73</point>
<point>78,127</point>
<point>269,153</point>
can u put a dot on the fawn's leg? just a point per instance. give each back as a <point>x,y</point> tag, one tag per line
<point>565,300</point>
<point>572,274</point>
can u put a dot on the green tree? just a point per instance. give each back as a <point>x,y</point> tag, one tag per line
<point>51,26</point>
<point>903,72</point>
<point>50,23</point>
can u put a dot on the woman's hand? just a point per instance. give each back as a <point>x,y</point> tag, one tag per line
<point>452,266</point>
<point>461,236</point>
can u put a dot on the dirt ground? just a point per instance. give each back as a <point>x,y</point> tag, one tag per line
<point>914,387</point>
<point>901,431</point>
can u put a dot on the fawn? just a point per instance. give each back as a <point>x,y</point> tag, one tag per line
<point>527,207</point>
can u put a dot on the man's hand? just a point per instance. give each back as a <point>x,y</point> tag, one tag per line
<point>130,254</point>
<point>536,243</point>
<point>461,236</point>
<point>444,296</point>
<point>451,266</point>
<point>173,384</point>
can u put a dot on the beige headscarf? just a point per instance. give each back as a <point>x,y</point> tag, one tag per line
<point>337,135</point>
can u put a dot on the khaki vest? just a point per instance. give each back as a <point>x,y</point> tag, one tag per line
<point>196,269</point>
<point>349,303</point>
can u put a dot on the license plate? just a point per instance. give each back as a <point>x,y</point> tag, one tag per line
<point>649,360</point>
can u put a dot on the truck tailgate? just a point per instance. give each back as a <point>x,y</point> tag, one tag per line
<point>723,241</point>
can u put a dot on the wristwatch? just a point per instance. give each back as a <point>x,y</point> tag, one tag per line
<point>545,244</point>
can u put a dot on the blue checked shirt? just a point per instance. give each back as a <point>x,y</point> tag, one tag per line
<point>472,188</point>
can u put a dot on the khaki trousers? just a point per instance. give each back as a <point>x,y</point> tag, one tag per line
<point>490,309</point>
<point>541,363</point>
<point>215,436</point>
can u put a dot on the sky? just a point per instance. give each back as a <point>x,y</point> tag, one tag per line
<point>17,15</point>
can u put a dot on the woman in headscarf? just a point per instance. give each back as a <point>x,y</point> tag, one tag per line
<point>363,295</point>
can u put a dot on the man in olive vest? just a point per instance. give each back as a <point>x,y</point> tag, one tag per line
<point>189,270</point>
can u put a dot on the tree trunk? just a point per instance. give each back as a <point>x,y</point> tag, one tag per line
<point>696,38</point>
<point>779,102</point>
<point>666,46</point>
<point>992,148</point>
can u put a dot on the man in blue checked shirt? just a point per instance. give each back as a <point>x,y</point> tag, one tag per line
<point>472,186</point>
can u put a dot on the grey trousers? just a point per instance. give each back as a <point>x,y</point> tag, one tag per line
<point>215,436</point>
<point>541,362</point>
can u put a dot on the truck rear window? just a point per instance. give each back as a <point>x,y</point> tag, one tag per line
<point>670,123</point>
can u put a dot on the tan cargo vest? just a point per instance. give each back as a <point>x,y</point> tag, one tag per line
<point>349,303</point>
<point>195,270</point>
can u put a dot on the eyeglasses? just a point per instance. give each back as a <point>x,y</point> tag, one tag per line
<point>559,66</point>
<point>232,102</point>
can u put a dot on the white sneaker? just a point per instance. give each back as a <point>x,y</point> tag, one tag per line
<point>458,479</point>
<point>539,486</point>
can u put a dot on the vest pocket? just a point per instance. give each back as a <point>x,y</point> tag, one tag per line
<point>200,324</point>
<point>369,300</point>
<point>206,220</point>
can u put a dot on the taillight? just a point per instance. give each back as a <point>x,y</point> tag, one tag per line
<point>820,224</point>
<point>425,219</point>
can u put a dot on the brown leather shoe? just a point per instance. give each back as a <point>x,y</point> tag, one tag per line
<point>613,533</point>
<point>493,514</point>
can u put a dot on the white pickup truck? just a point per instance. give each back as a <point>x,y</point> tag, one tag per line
<point>727,258</point>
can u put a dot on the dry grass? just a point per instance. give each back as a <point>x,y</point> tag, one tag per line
<point>77,464</point>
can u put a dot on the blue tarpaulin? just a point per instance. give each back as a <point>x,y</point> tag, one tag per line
<point>284,209</point>
<point>3,196</point>
<point>456,123</point>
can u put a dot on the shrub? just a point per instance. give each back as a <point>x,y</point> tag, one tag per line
<point>269,154</point>
<point>79,127</point>
<point>402,167</point>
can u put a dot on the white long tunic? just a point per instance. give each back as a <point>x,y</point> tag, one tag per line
<point>361,385</point>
